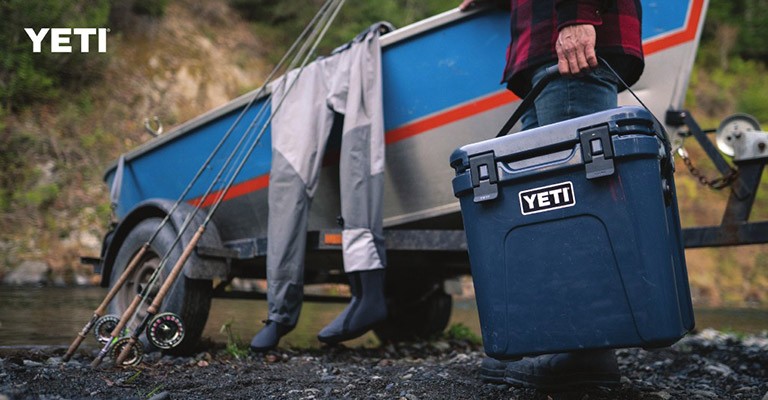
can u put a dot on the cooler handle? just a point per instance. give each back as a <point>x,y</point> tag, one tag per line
<point>550,74</point>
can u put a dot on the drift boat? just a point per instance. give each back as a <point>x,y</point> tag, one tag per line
<point>441,91</point>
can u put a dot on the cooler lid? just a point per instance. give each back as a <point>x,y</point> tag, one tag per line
<point>592,136</point>
<point>554,137</point>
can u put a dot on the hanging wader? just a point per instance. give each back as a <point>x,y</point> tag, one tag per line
<point>349,83</point>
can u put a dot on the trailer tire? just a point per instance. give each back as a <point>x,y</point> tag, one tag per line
<point>414,315</point>
<point>190,298</point>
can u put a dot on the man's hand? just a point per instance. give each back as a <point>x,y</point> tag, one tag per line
<point>576,49</point>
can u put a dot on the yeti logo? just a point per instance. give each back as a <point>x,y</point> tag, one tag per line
<point>60,39</point>
<point>547,198</point>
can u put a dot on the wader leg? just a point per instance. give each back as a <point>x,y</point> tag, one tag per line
<point>300,130</point>
<point>362,184</point>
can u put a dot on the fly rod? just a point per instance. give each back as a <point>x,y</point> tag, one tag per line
<point>138,300</point>
<point>126,345</point>
<point>102,308</point>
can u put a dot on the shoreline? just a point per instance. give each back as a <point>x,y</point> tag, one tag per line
<point>706,365</point>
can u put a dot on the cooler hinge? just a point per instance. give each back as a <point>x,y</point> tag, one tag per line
<point>597,151</point>
<point>482,169</point>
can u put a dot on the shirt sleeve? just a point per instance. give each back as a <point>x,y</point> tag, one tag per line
<point>574,12</point>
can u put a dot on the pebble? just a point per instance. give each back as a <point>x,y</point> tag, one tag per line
<point>161,396</point>
<point>53,361</point>
<point>727,368</point>
<point>30,363</point>
<point>719,369</point>
<point>704,393</point>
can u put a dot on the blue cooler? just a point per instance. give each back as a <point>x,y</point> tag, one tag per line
<point>574,236</point>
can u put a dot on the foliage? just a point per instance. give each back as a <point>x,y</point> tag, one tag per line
<point>27,77</point>
<point>283,20</point>
<point>235,346</point>
<point>746,19</point>
<point>152,8</point>
<point>462,332</point>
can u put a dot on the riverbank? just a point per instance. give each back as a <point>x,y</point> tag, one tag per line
<point>707,365</point>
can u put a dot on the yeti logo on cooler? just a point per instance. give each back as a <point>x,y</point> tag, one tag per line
<point>547,198</point>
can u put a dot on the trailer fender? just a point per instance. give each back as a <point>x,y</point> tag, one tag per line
<point>198,266</point>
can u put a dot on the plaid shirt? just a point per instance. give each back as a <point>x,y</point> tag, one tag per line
<point>535,26</point>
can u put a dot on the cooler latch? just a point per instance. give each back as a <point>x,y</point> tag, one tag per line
<point>597,151</point>
<point>482,169</point>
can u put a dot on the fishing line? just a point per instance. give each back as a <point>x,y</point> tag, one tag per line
<point>307,34</point>
<point>328,18</point>
<point>229,176</point>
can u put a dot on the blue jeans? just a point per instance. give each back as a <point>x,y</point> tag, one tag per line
<point>571,97</point>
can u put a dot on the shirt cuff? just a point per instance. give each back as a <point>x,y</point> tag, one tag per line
<point>575,12</point>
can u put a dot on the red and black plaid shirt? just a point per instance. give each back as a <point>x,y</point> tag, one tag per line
<point>535,26</point>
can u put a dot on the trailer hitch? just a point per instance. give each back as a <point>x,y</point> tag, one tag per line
<point>743,179</point>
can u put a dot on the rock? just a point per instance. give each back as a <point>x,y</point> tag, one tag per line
<point>441,345</point>
<point>704,393</point>
<point>766,396</point>
<point>719,369</point>
<point>30,363</point>
<point>161,396</point>
<point>54,361</point>
<point>28,273</point>
<point>82,280</point>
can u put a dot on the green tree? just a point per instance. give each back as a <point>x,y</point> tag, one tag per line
<point>284,20</point>
<point>745,20</point>
<point>27,77</point>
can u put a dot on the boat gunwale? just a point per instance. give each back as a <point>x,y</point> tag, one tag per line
<point>388,39</point>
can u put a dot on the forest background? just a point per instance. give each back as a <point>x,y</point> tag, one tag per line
<point>65,117</point>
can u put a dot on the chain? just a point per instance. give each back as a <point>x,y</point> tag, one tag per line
<point>715,183</point>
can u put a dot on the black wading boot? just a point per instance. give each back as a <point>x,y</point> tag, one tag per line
<point>492,370</point>
<point>565,371</point>
<point>367,308</point>
<point>269,336</point>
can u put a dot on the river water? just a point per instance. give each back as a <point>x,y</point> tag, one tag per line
<point>53,316</point>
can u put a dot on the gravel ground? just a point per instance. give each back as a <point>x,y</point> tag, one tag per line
<point>707,365</point>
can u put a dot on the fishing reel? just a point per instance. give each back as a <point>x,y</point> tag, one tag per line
<point>134,355</point>
<point>740,137</point>
<point>104,326</point>
<point>165,330</point>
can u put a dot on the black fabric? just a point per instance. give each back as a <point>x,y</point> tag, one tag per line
<point>563,371</point>
<point>367,308</point>
<point>269,336</point>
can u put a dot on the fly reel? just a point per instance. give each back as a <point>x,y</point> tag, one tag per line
<point>165,330</point>
<point>134,356</point>
<point>104,327</point>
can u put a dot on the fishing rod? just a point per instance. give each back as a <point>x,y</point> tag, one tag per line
<point>126,345</point>
<point>136,304</point>
<point>306,35</point>
<point>109,322</point>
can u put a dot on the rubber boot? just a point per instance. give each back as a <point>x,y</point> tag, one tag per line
<point>367,308</point>
<point>269,336</point>
<point>565,371</point>
<point>492,370</point>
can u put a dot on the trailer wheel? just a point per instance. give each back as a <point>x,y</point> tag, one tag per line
<point>420,311</point>
<point>190,299</point>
